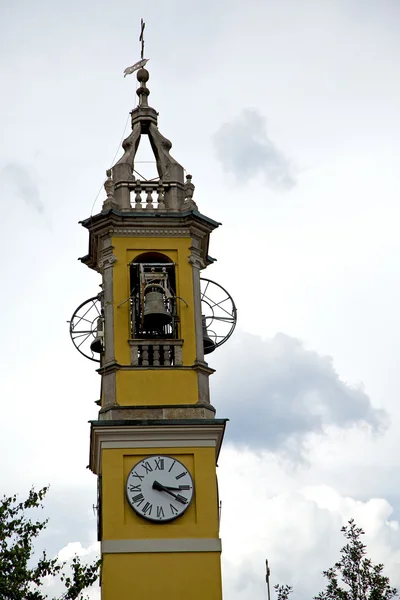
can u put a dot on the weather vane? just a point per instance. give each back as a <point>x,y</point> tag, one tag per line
<point>140,63</point>
<point>141,37</point>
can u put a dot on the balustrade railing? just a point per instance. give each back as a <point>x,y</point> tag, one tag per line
<point>148,195</point>
<point>156,353</point>
<point>161,195</point>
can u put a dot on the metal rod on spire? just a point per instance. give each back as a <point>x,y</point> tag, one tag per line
<point>267,576</point>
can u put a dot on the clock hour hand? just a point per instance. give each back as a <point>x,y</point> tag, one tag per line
<point>162,488</point>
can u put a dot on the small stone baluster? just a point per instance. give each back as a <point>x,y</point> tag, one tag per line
<point>145,356</point>
<point>156,356</point>
<point>149,199</point>
<point>178,356</point>
<point>167,360</point>
<point>135,355</point>
<point>160,197</point>
<point>138,196</point>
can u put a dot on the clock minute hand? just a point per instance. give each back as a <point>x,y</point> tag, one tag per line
<point>162,488</point>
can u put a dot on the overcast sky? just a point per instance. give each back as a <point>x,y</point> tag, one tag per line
<point>287,116</point>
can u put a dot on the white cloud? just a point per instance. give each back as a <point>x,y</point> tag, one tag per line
<point>297,529</point>
<point>76,549</point>
<point>17,181</point>
<point>54,587</point>
<point>244,148</point>
<point>282,393</point>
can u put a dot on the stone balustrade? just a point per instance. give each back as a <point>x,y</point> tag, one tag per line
<point>156,353</point>
<point>148,195</point>
<point>161,196</point>
<point>142,195</point>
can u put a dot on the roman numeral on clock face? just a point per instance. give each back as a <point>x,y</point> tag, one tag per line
<point>138,499</point>
<point>146,510</point>
<point>173,509</point>
<point>134,474</point>
<point>181,475</point>
<point>147,467</point>
<point>159,464</point>
<point>160,512</point>
<point>136,488</point>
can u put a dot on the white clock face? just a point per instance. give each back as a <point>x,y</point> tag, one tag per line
<point>159,488</point>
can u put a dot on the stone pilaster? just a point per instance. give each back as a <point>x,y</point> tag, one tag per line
<point>105,264</point>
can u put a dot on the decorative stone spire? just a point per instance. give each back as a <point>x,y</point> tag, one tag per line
<point>176,194</point>
<point>143,92</point>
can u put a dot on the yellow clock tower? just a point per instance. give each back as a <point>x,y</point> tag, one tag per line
<point>155,444</point>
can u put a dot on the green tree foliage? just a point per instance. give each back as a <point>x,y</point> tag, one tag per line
<point>283,591</point>
<point>354,576</point>
<point>22,577</point>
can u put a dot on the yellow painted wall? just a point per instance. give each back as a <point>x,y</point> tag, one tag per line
<point>147,576</point>
<point>119,521</point>
<point>156,386</point>
<point>126,249</point>
<point>163,576</point>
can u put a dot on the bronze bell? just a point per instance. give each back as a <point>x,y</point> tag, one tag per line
<point>209,345</point>
<point>155,314</point>
<point>97,344</point>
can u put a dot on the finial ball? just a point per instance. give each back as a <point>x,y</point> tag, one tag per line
<point>143,75</point>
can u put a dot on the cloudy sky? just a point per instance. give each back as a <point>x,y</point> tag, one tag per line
<point>287,115</point>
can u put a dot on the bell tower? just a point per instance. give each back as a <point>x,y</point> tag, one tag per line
<point>156,441</point>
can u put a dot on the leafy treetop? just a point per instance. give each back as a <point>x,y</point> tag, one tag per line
<point>353,576</point>
<point>21,578</point>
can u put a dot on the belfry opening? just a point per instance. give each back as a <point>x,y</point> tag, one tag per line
<point>153,297</point>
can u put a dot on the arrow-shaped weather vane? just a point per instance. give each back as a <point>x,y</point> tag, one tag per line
<point>142,62</point>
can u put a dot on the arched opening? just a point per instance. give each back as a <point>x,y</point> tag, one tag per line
<point>153,297</point>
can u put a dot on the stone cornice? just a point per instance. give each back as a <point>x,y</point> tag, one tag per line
<point>163,406</point>
<point>146,224</point>
<point>154,434</point>
<point>154,232</point>
<point>144,219</point>
<point>114,366</point>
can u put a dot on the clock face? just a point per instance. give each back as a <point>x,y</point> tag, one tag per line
<point>159,488</point>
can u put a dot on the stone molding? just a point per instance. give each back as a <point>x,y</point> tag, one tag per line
<point>116,412</point>
<point>202,367</point>
<point>184,232</point>
<point>115,366</point>
<point>161,545</point>
<point>205,432</point>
